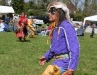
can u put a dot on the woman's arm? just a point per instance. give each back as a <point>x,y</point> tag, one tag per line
<point>73,45</point>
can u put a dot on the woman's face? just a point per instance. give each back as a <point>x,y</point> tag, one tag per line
<point>52,14</point>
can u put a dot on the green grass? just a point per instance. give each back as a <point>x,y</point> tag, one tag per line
<point>22,58</point>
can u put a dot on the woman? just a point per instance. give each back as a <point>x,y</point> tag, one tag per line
<point>64,43</point>
<point>22,30</point>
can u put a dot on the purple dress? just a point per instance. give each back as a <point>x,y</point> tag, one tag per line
<point>63,42</point>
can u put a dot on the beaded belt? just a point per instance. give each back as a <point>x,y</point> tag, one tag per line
<point>62,56</point>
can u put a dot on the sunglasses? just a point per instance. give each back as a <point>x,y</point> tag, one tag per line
<point>52,10</point>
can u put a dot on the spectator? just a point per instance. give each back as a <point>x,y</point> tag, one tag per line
<point>1,25</point>
<point>85,26</point>
<point>48,29</point>
<point>92,31</point>
<point>43,31</point>
<point>38,30</point>
<point>7,20</point>
<point>3,18</point>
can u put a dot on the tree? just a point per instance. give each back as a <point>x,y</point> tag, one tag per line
<point>45,3</point>
<point>18,6</point>
<point>79,15</point>
<point>90,8</point>
<point>76,2</point>
<point>38,7</point>
<point>26,7</point>
<point>93,6</point>
<point>86,4</point>
<point>31,3</point>
<point>3,2</point>
<point>65,1</point>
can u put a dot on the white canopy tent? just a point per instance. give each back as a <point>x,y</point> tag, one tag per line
<point>6,9</point>
<point>90,18</point>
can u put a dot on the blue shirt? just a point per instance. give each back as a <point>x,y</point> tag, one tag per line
<point>64,40</point>
<point>7,20</point>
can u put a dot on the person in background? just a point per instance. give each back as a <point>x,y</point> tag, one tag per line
<point>43,31</point>
<point>92,31</point>
<point>15,23</point>
<point>48,29</point>
<point>38,30</point>
<point>85,26</point>
<point>25,31</point>
<point>21,29</point>
<point>3,18</point>
<point>31,29</point>
<point>6,22</point>
<point>64,48</point>
<point>2,26</point>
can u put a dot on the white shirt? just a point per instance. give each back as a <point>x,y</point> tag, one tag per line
<point>2,27</point>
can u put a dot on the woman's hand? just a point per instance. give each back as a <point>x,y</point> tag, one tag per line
<point>69,72</point>
<point>42,60</point>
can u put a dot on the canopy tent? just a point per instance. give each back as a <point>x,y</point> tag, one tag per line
<point>90,18</point>
<point>6,9</point>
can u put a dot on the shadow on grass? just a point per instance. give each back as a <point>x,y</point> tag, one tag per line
<point>24,41</point>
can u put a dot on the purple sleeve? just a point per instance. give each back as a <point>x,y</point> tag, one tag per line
<point>73,45</point>
<point>48,55</point>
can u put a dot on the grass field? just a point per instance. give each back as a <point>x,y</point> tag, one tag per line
<point>22,58</point>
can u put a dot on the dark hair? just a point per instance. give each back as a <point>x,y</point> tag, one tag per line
<point>61,15</point>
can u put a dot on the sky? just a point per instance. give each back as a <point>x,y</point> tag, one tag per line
<point>81,1</point>
<point>26,0</point>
